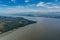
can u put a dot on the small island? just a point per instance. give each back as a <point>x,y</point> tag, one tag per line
<point>10,23</point>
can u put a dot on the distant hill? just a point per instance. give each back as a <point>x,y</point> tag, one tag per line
<point>38,14</point>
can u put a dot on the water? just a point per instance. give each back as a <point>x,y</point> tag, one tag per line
<point>44,29</point>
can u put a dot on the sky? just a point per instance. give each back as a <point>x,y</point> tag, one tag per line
<point>18,6</point>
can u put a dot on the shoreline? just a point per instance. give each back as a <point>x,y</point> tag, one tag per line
<point>11,31</point>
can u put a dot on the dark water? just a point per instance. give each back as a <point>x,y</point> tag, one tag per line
<point>44,29</point>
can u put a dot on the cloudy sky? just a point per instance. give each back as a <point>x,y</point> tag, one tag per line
<point>18,6</point>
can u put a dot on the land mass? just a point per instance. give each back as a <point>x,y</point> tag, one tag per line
<point>10,23</point>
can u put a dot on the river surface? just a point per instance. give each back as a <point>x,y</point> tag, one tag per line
<point>44,29</point>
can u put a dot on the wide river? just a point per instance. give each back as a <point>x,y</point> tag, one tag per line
<point>44,29</point>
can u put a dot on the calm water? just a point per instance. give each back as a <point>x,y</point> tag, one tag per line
<point>44,29</point>
<point>47,28</point>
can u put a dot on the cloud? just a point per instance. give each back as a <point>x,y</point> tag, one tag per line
<point>56,0</point>
<point>16,9</point>
<point>22,9</point>
<point>47,5</point>
<point>13,1</point>
<point>27,1</point>
<point>30,8</point>
<point>19,9</point>
<point>19,6</point>
<point>9,9</point>
<point>40,4</point>
<point>2,5</point>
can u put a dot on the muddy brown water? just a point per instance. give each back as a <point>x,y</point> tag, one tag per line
<point>44,29</point>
